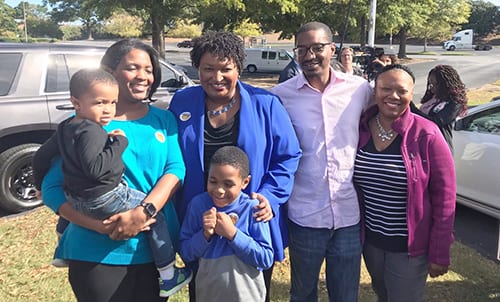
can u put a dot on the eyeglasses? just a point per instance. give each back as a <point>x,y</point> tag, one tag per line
<point>316,48</point>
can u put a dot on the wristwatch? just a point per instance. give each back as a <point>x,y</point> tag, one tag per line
<point>149,209</point>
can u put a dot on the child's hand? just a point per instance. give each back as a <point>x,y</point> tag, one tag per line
<point>38,194</point>
<point>225,226</point>
<point>209,222</point>
<point>116,132</point>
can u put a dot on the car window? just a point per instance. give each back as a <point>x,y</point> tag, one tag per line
<point>272,55</point>
<point>486,122</point>
<point>167,75</point>
<point>283,55</point>
<point>10,63</point>
<point>264,55</point>
<point>62,66</point>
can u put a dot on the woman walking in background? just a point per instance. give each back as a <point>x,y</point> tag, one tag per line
<point>445,99</point>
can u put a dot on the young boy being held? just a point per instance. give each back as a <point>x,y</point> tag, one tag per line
<point>93,168</point>
<point>220,232</point>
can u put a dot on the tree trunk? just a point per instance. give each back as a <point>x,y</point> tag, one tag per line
<point>425,44</point>
<point>362,34</point>
<point>89,31</point>
<point>402,43</point>
<point>157,31</point>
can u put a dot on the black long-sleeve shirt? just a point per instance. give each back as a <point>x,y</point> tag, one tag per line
<point>444,115</point>
<point>92,162</point>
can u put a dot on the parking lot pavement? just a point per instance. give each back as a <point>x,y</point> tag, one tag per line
<point>477,231</point>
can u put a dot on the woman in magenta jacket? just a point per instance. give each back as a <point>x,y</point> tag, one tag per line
<point>405,174</point>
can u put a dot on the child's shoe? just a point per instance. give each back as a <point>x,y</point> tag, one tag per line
<point>58,262</point>
<point>182,276</point>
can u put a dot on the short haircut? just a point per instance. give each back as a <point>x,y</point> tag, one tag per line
<point>315,26</point>
<point>398,67</point>
<point>223,44</point>
<point>115,53</point>
<point>233,156</point>
<point>83,79</point>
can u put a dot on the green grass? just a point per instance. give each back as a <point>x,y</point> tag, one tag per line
<point>484,94</point>
<point>425,53</point>
<point>27,243</point>
<point>457,53</point>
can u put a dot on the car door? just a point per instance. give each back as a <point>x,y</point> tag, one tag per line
<point>60,68</point>
<point>477,157</point>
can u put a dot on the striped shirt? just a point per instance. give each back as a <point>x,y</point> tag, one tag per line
<point>381,176</point>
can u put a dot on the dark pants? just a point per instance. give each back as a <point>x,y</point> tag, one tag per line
<point>94,282</point>
<point>396,276</point>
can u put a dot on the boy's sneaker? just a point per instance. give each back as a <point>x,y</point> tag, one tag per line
<point>182,276</point>
<point>58,262</point>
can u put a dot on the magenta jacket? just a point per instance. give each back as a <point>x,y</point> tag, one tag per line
<point>431,193</point>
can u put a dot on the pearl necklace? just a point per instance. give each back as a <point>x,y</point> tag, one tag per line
<point>385,135</point>
<point>224,109</point>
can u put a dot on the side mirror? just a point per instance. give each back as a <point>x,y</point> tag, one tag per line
<point>182,81</point>
<point>175,83</point>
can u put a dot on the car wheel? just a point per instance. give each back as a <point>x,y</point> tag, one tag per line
<point>252,68</point>
<point>452,48</point>
<point>17,190</point>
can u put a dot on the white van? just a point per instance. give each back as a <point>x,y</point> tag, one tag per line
<point>266,59</point>
<point>460,40</point>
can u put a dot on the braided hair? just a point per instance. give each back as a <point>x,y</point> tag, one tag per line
<point>449,87</point>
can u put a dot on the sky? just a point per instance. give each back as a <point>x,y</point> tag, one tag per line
<point>14,3</point>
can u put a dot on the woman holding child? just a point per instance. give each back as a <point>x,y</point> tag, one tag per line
<point>223,111</point>
<point>111,260</point>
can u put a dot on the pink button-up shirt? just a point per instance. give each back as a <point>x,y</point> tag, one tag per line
<point>327,126</point>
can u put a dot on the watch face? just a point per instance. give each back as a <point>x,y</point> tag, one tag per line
<point>150,209</point>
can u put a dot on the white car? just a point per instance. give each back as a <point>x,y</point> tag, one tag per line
<point>476,143</point>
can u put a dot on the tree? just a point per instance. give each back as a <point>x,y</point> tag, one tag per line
<point>122,24</point>
<point>161,14</point>
<point>88,12</point>
<point>484,17</point>
<point>247,29</point>
<point>185,29</point>
<point>70,32</point>
<point>8,25</point>
<point>445,16</point>
<point>37,21</point>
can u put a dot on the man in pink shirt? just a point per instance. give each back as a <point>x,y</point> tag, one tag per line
<point>325,107</point>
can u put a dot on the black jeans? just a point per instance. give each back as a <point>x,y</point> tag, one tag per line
<point>95,282</point>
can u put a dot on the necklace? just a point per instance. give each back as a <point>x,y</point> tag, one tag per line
<point>224,109</point>
<point>385,135</point>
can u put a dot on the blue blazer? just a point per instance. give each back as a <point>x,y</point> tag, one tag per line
<point>266,135</point>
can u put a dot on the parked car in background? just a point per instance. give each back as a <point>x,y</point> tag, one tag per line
<point>476,143</point>
<point>34,83</point>
<point>185,44</point>
<point>266,59</point>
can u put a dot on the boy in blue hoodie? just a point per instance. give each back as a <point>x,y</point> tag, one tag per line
<point>220,232</point>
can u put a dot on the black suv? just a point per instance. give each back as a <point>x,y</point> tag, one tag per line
<point>185,44</point>
<point>34,86</point>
